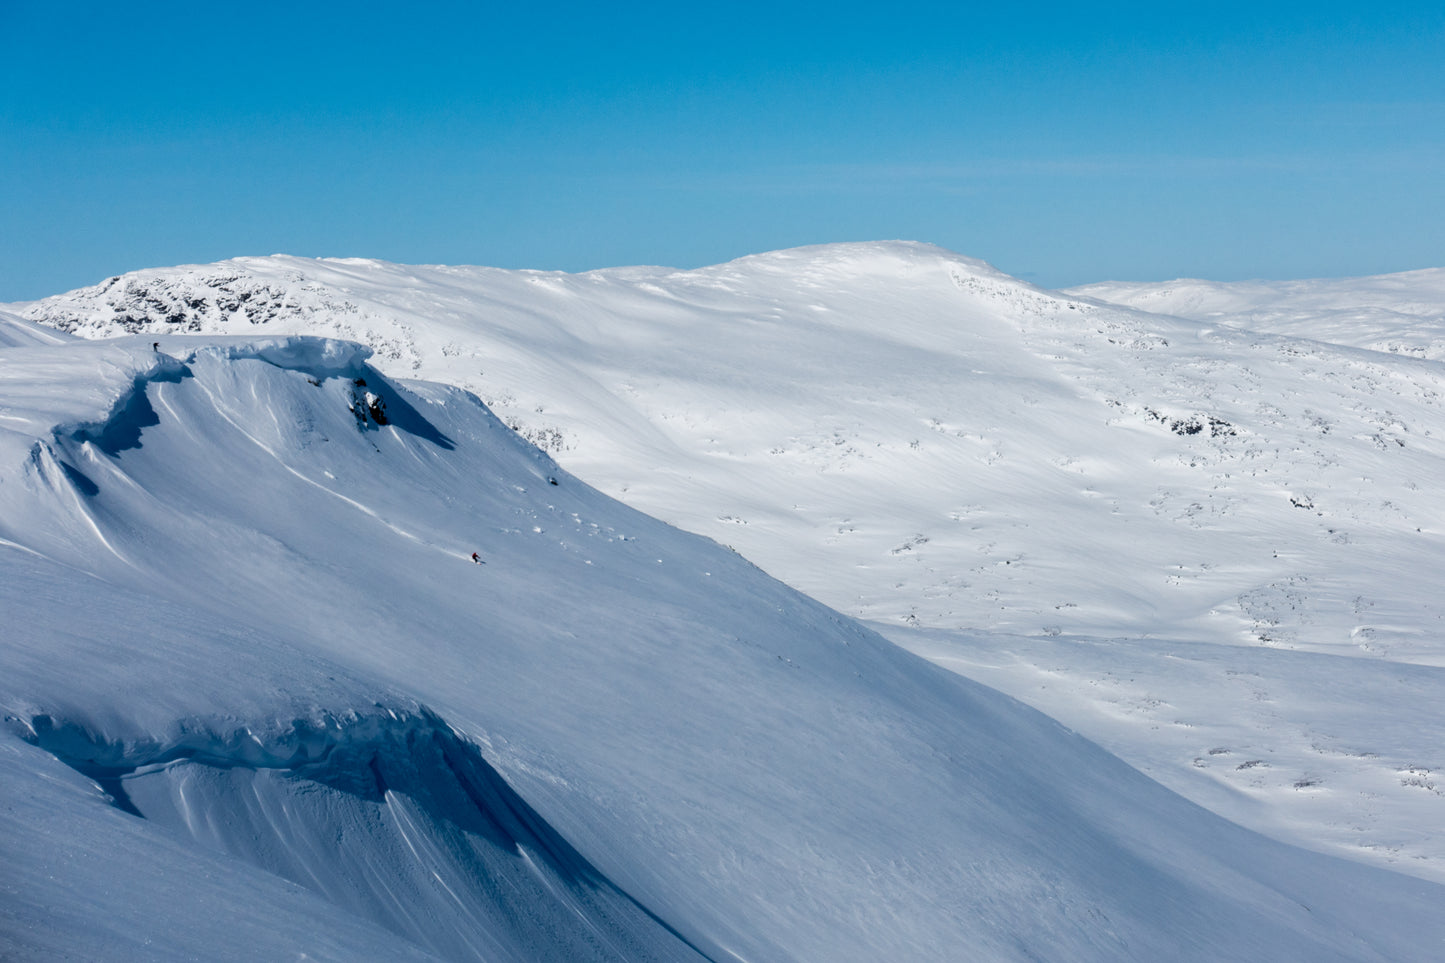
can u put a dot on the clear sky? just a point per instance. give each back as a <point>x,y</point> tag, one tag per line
<point>1062,142</point>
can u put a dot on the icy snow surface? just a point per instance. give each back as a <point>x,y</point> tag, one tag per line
<point>239,602</point>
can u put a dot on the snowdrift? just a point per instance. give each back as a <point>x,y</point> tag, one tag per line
<point>259,702</point>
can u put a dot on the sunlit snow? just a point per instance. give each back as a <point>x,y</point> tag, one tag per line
<point>240,604</point>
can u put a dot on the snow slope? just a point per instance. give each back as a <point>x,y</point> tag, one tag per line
<point>259,703</point>
<point>881,425</point>
<point>1397,313</point>
<point>1042,481</point>
<point>16,332</point>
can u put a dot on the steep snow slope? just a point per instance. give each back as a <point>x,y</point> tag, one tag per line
<point>259,704</point>
<point>916,439</point>
<point>1397,313</point>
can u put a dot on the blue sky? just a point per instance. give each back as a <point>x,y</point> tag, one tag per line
<point>1062,143</point>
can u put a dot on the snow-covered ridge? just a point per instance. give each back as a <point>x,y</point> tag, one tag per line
<point>670,748</point>
<point>120,427</point>
<point>1395,313</point>
<point>17,332</point>
<point>918,440</point>
<point>64,427</point>
<point>324,357</point>
<point>415,802</point>
<point>191,302</point>
<point>236,295</point>
<point>923,393</point>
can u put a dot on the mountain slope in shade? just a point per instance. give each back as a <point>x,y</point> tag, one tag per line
<point>246,649</point>
<point>1024,485</point>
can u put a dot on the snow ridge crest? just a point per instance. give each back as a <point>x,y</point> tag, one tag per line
<point>441,849</point>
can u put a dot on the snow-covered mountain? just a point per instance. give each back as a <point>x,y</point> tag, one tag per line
<point>1394,313</point>
<point>1209,540</point>
<point>883,424</point>
<point>259,703</point>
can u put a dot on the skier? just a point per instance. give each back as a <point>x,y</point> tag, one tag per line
<point>476,559</point>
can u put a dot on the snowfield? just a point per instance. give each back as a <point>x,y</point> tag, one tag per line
<point>1394,313</point>
<point>246,648</point>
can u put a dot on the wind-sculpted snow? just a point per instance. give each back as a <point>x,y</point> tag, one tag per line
<point>649,747</point>
<point>84,881</point>
<point>433,843</point>
<point>322,357</point>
